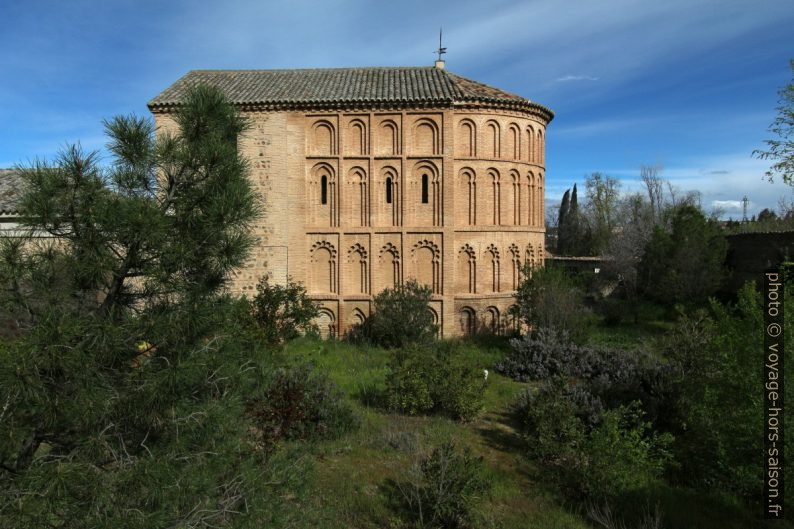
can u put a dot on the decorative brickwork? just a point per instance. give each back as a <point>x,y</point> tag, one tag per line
<point>437,186</point>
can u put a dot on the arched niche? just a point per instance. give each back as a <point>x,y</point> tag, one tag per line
<point>468,321</point>
<point>426,137</point>
<point>326,323</point>
<point>513,143</point>
<point>388,138</point>
<point>467,270</point>
<point>322,261</point>
<point>356,143</point>
<point>424,198</point>
<point>357,197</point>
<point>426,261</point>
<point>466,138</point>
<point>322,139</point>
<point>492,140</point>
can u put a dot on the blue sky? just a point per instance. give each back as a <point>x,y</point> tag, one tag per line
<point>690,85</point>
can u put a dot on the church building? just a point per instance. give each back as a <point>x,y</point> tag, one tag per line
<point>372,176</point>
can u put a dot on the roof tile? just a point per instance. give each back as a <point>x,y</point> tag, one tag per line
<point>322,86</point>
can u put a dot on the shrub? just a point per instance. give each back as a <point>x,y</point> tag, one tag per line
<point>444,490</point>
<point>408,386</point>
<point>623,454</point>
<point>541,355</point>
<point>548,353</point>
<point>424,380</point>
<point>598,460</point>
<point>401,317</point>
<point>282,312</point>
<point>717,354</point>
<point>605,378</point>
<point>549,421</point>
<point>300,404</point>
<point>548,297</point>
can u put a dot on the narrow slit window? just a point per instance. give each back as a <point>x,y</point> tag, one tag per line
<point>324,190</point>
<point>424,189</point>
<point>388,190</point>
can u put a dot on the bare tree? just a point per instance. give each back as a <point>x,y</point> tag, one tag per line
<point>603,195</point>
<point>654,187</point>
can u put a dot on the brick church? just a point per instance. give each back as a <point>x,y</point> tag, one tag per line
<point>372,176</point>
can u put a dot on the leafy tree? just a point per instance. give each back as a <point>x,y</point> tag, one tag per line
<point>401,317</point>
<point>123,395</point>
<point>283,312</point>
<point>685,264</point>
<point>781,149</point>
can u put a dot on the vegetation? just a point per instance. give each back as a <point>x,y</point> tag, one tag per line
<point>401,317</point>
<point>434,380</point>
<point>124,391</point>
<point>299,404</point>
<point>283,312</point>
<point>443,490</point>
<point>550,298</point>
<point>686,263</point>
<point>781,148</point>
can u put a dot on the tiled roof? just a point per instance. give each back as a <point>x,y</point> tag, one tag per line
<point>359,87</point>
<point>10,185</point>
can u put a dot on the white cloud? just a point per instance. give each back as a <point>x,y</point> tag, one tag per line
<point>723,181</point>
<point>567,78</point>
<point>727,205</point>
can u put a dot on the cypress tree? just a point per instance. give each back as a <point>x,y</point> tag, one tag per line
<point>562,219</point>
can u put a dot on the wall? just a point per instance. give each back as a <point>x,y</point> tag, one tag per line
<point>355,202</point>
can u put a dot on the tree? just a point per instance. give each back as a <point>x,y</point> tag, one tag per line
<point>603,194</point>
<point>625,250</point>
<point>686,263</point>
<point>781,148</point>
<point>767,215</point>
<point>654,187</point>
<point>573,232</point>
<point>548,298</point>
<point>123,398</point>
<point>562,232</point>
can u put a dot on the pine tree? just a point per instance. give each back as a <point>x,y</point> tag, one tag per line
<point>124,389</point>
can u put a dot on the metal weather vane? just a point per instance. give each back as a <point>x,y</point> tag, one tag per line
<point>441,50</point>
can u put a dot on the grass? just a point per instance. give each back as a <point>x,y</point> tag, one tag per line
<point>354,469</point>
<point>350,472</point>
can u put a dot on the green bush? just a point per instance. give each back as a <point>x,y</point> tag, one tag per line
<point>623,454</point>
<point>401,317</point>
<point>619,454</point>
<point>718,354</point>
<point>425,380</point>
<point>550,298</point>
<point>282,312</point>
<point>444,490</point>
<point>300,404</point>
<point>409,386</point>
